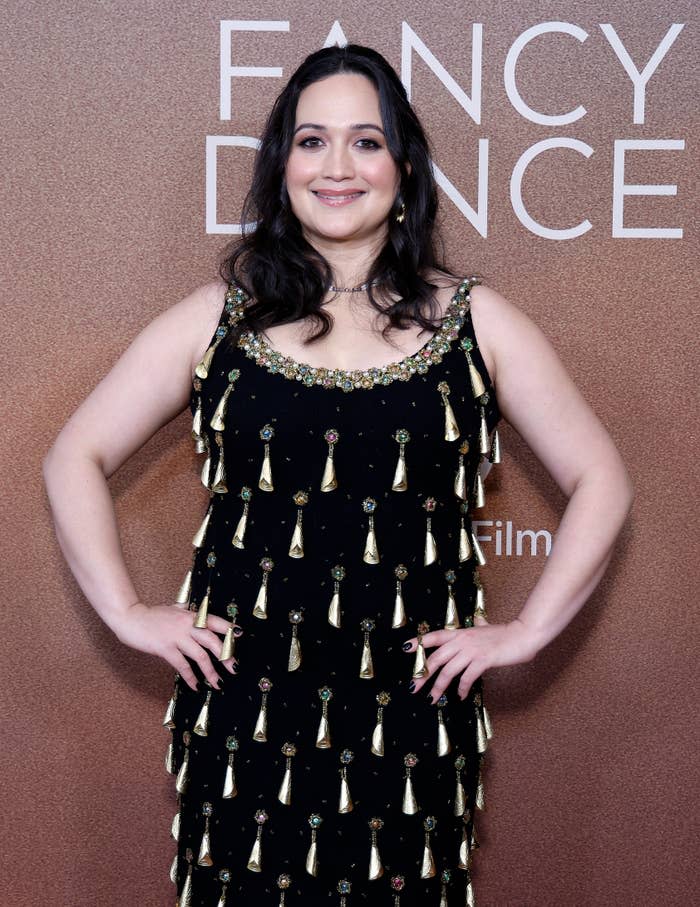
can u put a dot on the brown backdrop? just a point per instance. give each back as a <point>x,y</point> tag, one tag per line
<point>106,111</point>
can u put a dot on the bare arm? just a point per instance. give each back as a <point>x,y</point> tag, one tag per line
<point>538,398</point>
<point>147,387</point>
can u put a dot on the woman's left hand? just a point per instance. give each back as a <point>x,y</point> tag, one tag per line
<point>470,651</point>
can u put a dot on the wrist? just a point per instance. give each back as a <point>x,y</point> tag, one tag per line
<point>535,640</point>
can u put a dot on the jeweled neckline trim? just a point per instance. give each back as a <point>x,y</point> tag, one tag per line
<point>257,348</point>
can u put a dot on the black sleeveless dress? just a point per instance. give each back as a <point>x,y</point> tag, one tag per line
<point>338,527</point>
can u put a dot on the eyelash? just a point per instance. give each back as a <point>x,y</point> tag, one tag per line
<point>302,144</point>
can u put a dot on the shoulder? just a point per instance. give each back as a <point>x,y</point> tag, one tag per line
<point>195,317</point>
<point>497,322</point>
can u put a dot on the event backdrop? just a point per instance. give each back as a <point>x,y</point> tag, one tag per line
<point>563,136</point>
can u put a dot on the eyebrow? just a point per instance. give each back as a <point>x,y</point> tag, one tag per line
<point>355,127</point>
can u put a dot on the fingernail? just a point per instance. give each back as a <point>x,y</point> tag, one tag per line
<point>412,686</point>
<point>237,631</point>
<point>406,646</point>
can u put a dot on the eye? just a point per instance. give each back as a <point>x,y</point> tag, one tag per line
<point>368,143</point>
<point>309,142</point>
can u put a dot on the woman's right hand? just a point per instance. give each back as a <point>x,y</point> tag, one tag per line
<point>169,631</point>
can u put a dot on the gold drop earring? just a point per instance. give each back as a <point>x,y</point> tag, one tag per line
<point>401,216</point>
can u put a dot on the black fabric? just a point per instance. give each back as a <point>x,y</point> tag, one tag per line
<point>334,528</point>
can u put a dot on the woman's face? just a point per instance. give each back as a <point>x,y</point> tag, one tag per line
<point>341,180</point>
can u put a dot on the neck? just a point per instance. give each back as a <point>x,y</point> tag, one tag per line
<point>349,260</point>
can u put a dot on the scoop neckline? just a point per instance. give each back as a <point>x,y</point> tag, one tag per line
<point>431,352</point>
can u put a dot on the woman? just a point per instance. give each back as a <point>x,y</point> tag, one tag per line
<point>336,551</point>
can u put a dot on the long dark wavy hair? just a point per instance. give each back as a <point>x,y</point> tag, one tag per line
<point>285,276</point>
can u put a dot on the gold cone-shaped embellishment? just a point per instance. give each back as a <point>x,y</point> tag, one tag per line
<point>398,618</point>
<point>204,858</point>
<point>312,859</point>
<point>329,480</point>
<point>474,841</point>
<point>427,869</point>
<point>285,792</point>
<point>488,728</point>
<point>197,419</point>
<point>238,540</point>
<point>260,608</point>
<point>479,797</point>
<point>479,496</point>
<point>334,610</point>
<point>169,718</point>
<point>183,773</point>
<point>200,617</point>
<point>230,788</point>
<point>202,368</point>
<point>479,599</point>
<point>345,804</point>
<point>451,615</point>
<point>476,381</point>
<point>294,662</point>
<point>265,480</point>
<point>378,739</point>
<point>371,552</point>
<point>201,445</point>
<point>170,759</point>
<point>376,870</point>
<point>229,645</point>
<point>183,595</point>
<point>460,803</point>
<point>217,421</point>
<point>465,546</point>
<point>484,440</point>
<point>464,855</point>
<point>366,664</point>
<point>470,900</point>
<point>443,741</point>
<point>201,726</point>
<point>173,872</point>
<point>218,484</point>
<point>478,553</point>
<point>460,487</point>
<point>198,540</point>
<point>430,552</point>
<point>410,804</point>
<point>495,454</point>
<point>296,547</point>
<point>323,735</point>
<point>481,738</point>
<point>185,899</point>
<point>260,732</point>
<point>420,667</point>
<point>206,468</point>
<point>400,482</point>
<point>451,427</point>
<point>255,858</point>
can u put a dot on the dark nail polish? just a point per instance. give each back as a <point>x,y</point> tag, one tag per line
<point>406,646</point>
<point>237,631</point>
<point>412,686</point>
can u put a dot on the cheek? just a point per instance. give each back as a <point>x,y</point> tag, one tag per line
<point>299,170</point>
<point>383,173</point>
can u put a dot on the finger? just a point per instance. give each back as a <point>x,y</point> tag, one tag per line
<point>480,620</point>
<point>199,655</point>
<point>181,665</point>
<point>230,664</point>
<point>430,640</point>
<point>208,639</point>
<point>438,658</point>
<point>219,624</point>
<point>445,677</point>
<point>473,672</point>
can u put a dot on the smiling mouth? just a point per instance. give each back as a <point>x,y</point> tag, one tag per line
<point>337,196</point>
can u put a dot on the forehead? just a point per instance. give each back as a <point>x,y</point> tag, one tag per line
<point>338,100</point>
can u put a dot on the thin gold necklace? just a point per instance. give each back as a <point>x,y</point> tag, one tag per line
<point>357,289</point>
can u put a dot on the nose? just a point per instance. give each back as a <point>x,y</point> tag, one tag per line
<point>337,162</point>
